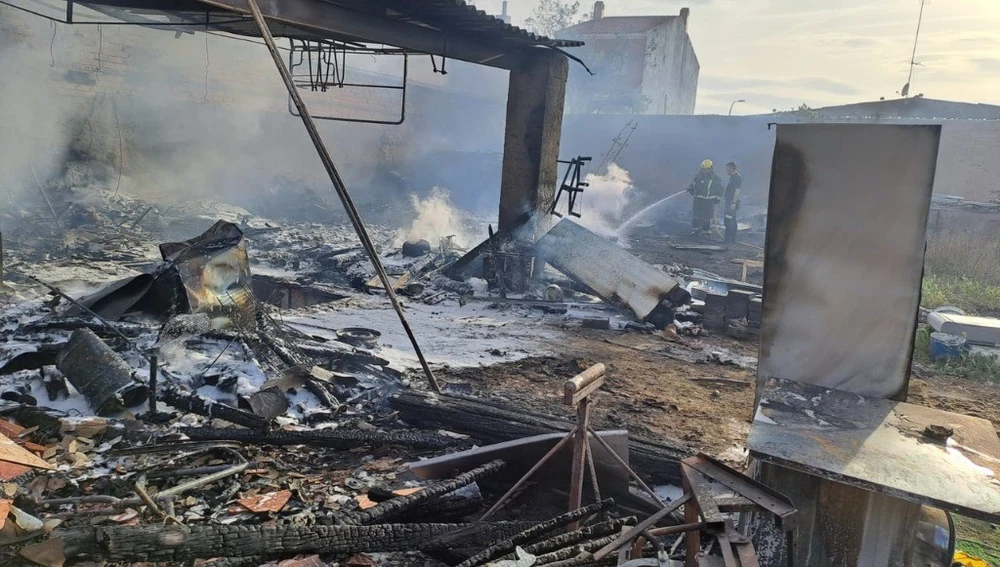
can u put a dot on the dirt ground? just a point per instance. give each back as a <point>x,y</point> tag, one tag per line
<point>655,387</point>
<point>647,390</point>
<point>652,389</point>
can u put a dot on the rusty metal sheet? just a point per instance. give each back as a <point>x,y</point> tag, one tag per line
<point>845,249</point>
<point>879,445</point>
<point>614,274</point>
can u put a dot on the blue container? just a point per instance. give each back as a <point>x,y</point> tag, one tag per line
<point>945,345</point>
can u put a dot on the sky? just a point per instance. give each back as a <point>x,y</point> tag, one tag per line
<point>778,54</point>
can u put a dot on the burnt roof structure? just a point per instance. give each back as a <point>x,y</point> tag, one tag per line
<point>447,28</point>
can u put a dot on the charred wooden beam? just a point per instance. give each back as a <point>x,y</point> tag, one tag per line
<point>394,506</point>
<point>193,403</point>
<point>597,530</point>
<point>334,439</point>
<point>493,423</point>
<point>157,543</point>
<point>572,551</point>
<point>534,532</point>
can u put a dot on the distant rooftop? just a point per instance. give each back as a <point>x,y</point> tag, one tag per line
<point>913,107</point>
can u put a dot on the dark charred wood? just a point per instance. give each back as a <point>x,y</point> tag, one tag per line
<point>331,438</point>
<point>598,530</point>
<point>491,422</point>
<point>157,543</point>
<point>389,508</point>
<point>131,330</point>
<point>193,403</point>
<point>573,551</point>
<point>444,509</point>
<point>533,533</point>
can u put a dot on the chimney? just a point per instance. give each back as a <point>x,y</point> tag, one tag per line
<point>503,14</point>
<point>598,10</point>
<point>684,17</point>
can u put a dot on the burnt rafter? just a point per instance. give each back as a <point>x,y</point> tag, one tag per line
<point>450,29</point>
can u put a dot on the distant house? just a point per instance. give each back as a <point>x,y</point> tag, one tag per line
<point>641,65</point>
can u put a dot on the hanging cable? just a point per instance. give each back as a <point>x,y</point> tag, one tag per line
<point>52,44</point>
<point>100,46</point>
<point>207,60</point>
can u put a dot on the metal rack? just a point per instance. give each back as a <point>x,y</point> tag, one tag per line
<point>321,65</point>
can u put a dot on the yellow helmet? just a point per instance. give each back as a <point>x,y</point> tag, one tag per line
<point>707,164</point>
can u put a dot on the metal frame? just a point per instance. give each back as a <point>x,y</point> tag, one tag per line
<point>331,61</point>
<point>572,184</point>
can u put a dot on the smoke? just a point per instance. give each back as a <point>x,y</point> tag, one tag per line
<point>437,218</point>
<point>604,201</point>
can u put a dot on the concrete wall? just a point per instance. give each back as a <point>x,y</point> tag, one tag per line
<point>641,72</point>
<point>670,79</point>
<point>664,152</point>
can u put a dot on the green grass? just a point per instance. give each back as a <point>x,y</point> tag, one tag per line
<point>971,295</point>
<point>978,539</point>
<point>963,269</point>
<point>977,367</point>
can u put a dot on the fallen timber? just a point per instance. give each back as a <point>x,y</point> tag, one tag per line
<point>506,546</point>
<point>157,543</point>
<point>491,422</point>
<point>401,504</point>
<point>329,438</point>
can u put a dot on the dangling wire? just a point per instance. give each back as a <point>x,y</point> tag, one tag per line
<point>207,60</point>
<point>100,45</point>
<point>52,44</point>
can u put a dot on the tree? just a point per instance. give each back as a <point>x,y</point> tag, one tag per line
<point>551,16</point>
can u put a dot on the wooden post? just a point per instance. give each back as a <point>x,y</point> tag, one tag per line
<point>692,539</point>
<point>577,393</point>
<point>580,448</point>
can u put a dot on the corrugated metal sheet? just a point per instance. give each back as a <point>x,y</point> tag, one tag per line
<point>459,17</point>
<point>611,272</point>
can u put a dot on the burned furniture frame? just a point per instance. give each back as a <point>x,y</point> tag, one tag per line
<point>572,184</point>
<point>325,66</point>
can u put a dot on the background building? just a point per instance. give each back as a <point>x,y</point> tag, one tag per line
<point>641,65</point>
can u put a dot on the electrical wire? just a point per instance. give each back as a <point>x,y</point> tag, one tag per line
<point>100,46</point>
<point>207,62</point>
<point>52,44</point>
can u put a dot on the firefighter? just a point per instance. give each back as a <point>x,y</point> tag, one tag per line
<point>706,189</point>
<point>731,201</point>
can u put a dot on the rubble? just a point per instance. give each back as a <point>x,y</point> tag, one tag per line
<point>273,434</point>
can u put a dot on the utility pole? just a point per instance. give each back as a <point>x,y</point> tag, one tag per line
<point>913,56</point>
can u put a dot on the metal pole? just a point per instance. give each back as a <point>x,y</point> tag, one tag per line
<point>338,184</point>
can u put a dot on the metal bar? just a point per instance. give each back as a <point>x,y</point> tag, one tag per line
<point>621,462</point>
<point>338,184</point>
<point>579,458</point>
<point>45,196</point>
<point>641,527</point>
<point>678,529</point>
<point>761,495</point>
<point>541,462</point>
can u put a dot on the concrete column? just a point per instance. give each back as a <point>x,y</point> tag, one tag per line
<point>535,100</point>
